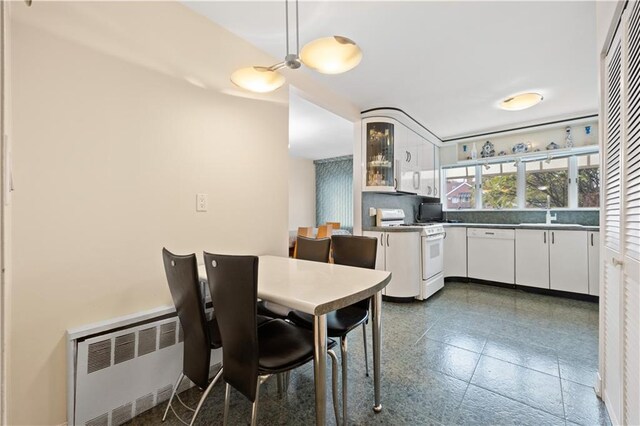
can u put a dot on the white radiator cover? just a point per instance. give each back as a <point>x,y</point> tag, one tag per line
<point>120,368</point>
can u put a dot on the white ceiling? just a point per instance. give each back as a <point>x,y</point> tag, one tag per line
<point>447,64</point>
<point>316,133</point>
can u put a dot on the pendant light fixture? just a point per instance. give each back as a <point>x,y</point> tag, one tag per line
<point>327,55</point>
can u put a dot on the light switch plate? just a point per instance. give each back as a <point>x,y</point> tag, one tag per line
<point>202,202</point>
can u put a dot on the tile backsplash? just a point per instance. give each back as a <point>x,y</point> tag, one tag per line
<point>410,204</point>
<point>581,217</point>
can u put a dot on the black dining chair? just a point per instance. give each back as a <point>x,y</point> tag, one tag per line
<point>351,251</point>
<point>253,353</point>
<point>200,335</point>
<point>314,249</point>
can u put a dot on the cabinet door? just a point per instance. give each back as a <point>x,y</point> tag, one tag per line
<point>436,171</point>
<point>380,136</point>
<point>568,260</point>
<point>594,263</point>
<point>426,165</point>
<point>407,161</point>
<point>402,258</point>
<point>455,252</point>
<point>380,264</point>
<point>532,257</point>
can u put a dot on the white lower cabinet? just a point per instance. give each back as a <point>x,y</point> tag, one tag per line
<point>399,253</point>
<point>594,262</point>
<point>569,261</point>
<point>455,252</point>
<point>532,257</point>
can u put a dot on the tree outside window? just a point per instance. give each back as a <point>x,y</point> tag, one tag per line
<point>589,180</point>
<point>547,179</point>
<point>500,186</point>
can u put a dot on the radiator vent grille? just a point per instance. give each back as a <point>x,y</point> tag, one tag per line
<point>164,394</point>
<point>125,348</point>
<point>102,420</point>
<point>121,414</point>
<point>167,334</point>
<point>144,403</point>
<point>99,356</point>
<point>147,341</point>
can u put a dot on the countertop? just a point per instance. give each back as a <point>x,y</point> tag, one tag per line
<point>559,227</point>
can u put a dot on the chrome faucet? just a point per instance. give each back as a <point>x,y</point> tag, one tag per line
<point>550,217</point>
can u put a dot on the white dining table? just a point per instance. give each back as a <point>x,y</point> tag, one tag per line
<point>318,288</point>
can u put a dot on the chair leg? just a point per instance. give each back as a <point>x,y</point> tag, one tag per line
<point>366,358</point>
<point>254,409</point>
<point>227,397</point>
<point>343,348</point>
<point>173,394</point>
<point>204,396</point>
<point>334,384</point>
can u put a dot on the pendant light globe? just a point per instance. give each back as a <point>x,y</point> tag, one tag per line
<point>257,79</point>
<point>331,55</point>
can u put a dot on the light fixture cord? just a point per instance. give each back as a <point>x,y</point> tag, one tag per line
<point>286,18</point>
<point>297,31</point>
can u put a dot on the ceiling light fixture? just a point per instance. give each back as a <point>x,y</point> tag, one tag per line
<point>327,55</point>
<point>521,101</point>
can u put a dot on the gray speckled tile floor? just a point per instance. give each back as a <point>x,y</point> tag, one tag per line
<point>471,354</point>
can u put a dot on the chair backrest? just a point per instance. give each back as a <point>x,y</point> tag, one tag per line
<point>315,249</point>
<point>302,232</point>
<point>334,225</point>
<point>182,276</point>
<point>355,251</point>
<point>233,282</point>
<point>324,231</point>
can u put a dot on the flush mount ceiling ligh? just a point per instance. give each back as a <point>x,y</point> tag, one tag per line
<point>327,55</point>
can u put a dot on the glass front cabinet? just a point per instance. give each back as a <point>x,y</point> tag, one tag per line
<point>380,137</point>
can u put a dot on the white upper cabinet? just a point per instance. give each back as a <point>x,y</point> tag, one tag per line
<point>380,136</point>
<point>427,168</point>
<point>407,156</point>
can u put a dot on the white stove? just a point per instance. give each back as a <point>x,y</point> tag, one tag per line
<point>431,248</point>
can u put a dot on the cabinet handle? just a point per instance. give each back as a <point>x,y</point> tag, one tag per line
<point>429,189</point>
<point>395,183</point>
<point>591,240</point>
<point>416,174</point>
<point>553,237</point>
<point>490,233</point>
<point>435,191</point>
<point>545,236</point>
<point>617,262</point>
<point>387,240</point>
<point>381,240</point>
<point>445,236</point>
<point>409,156</point>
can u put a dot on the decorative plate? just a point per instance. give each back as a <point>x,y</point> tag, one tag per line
<point>552,145</point>
<point>487,150</point>
<point>519,147</point>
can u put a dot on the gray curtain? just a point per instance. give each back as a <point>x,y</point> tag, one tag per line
<point>334,191</point>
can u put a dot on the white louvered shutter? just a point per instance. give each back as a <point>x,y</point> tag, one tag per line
<point>631,223</point>
<point>611,364</point>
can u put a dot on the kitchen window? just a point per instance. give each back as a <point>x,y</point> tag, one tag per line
<point>500,186</point>
<point>527,182</point>
<point>547,180</point>
<point>460,188</point>
<point>589,180</point>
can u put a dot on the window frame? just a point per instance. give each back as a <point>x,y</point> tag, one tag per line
<point>572,173</point>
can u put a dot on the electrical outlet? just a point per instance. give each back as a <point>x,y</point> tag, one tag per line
<point>201,202</point>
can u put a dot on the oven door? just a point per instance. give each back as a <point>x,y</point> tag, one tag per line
<point>432,255</point>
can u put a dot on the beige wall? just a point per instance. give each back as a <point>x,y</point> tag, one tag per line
<point>108,158</point>
<point>302,193</point>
